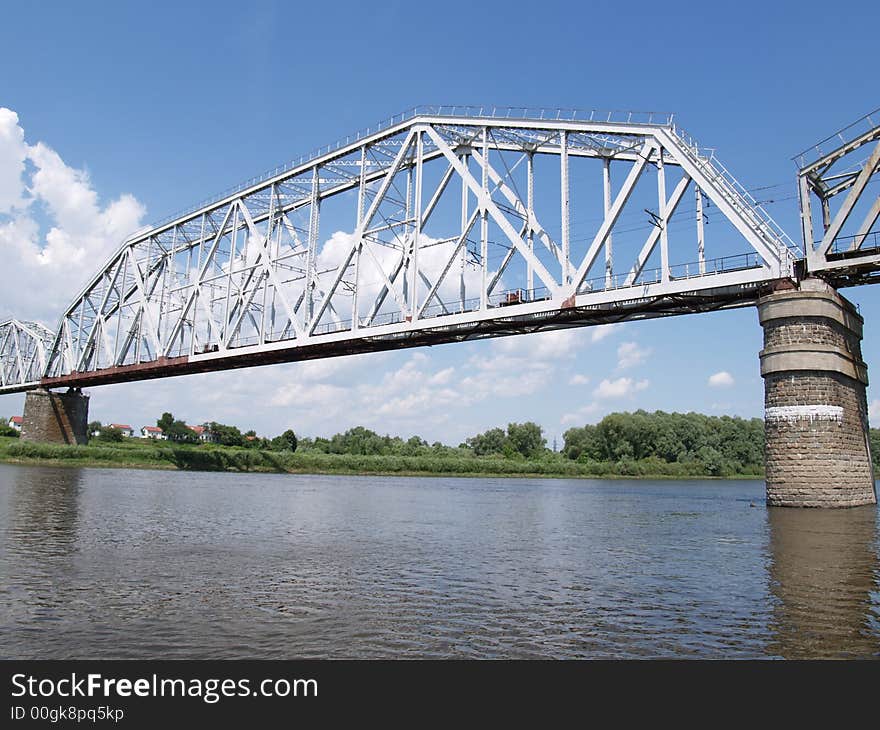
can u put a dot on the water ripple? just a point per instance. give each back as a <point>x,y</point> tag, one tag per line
<point>128,564</point>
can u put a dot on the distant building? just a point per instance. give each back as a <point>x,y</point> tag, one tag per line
<point>124,428</point>
<point>15,422</point>
<point>153,432</point>
<point>205,435</point>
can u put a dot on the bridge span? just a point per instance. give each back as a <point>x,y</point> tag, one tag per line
<point>446,224</point>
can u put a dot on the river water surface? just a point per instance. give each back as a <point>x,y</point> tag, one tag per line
<point>150,564</point>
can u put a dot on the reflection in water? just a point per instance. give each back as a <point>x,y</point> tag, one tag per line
<point>824,575</point>
<point>38,535</point>
<point>44,508</point>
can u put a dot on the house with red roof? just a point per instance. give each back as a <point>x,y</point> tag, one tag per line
<point>15,422</point>
<point>153,432</point>
<point>204,433</point>
<point>126,430</point>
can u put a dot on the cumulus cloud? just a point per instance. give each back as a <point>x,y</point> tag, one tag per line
<point>433,257</point>
<point>630,354</point>
<point>578,379</point>
<point>545,346</point>
<point>620,388</point>
<point>722,379</point>
<point>13,153</point>
<point>53,227</point>
<point>585,414</point>
<point>874,410</point>
<point>417,394</point>
<point>600,332</point>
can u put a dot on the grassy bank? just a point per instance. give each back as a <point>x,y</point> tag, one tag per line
<point>143,455</point>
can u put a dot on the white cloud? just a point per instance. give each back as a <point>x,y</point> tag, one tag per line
<point>404,396</point>
<point>600,332</point>
<point>442,377</point>
<point>548,346</point>
<point>578,379</point>
<point>619,388</point>
<point>722,379</point>
<point>630,354</point>
<point>520,365</point>
<point>46,264</point>
<point>585,414</point>
<point>302,395</point>
<point>874,410</point>
<point>335,367</point>
<point>433,257</point>
<point>13,152</point>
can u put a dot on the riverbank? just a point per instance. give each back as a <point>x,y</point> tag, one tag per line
<point>139,455</point>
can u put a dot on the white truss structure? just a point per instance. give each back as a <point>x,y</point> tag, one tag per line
<point>447,223</point>
<point>845,245</point>
<point>23,350</point>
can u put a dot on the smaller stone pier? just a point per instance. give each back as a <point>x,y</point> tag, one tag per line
<point>817,451</point>
<point>60,418</point>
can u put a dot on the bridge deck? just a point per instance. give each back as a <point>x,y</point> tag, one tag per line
<point>505,320</point>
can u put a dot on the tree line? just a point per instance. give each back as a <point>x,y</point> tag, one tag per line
<point>720,445</point>
<point>631,443</point>
<point>624,443</point>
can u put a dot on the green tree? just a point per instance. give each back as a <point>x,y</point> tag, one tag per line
<point>360,441</point>
<point>287,441</point>
<point>875,447</point>
<point>176,430</point>
<point>710,444</point>
<point>490,442</point>
<point>321,444</point>
<point>413,446</point>
<point>7,430</point>
<point>711,460</point>
<point>581,443</point>
<point>225,435</point>
<point>108,433</point>
<point>526,439</point>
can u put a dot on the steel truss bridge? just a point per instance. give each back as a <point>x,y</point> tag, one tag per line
<point>447,224</point>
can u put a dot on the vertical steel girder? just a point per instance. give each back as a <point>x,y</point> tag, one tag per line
<point>402,248</point>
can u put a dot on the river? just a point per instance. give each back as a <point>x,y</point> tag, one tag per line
<point>115,563</point>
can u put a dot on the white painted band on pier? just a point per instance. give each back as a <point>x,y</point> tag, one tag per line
<point>811,413</point>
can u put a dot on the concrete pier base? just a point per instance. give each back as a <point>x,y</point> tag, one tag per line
<point>60,418</point>
<point>817,450</point>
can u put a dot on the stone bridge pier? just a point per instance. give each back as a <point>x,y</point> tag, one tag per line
<point>817,448</point>
<point>60,418</point>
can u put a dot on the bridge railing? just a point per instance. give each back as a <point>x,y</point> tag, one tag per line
<point>510,297</point>
<point>735,192</point>
<point>841,137</point>
<point>856,244</point>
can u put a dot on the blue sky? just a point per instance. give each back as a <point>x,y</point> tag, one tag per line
<point>142,110</point>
